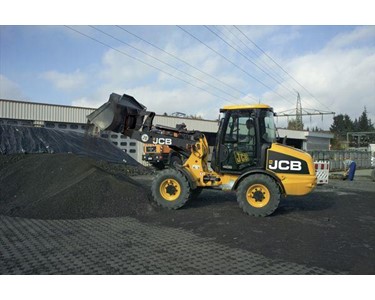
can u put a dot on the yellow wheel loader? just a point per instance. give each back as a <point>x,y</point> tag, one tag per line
<point>246,159</point>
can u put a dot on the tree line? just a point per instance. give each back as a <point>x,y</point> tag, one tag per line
<point>343,127</point>
<point>358,132</point>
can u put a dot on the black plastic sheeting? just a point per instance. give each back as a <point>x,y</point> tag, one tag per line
<point>22,139</point>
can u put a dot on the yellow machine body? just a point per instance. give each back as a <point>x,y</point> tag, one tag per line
<point>245,158</point>
<point>291,183</point>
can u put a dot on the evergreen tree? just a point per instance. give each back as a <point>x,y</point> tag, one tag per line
<point>341,125</point>
<point>348,124</point>
<point>294,125</point>
<point>355,125</point>
<point>364,123</point>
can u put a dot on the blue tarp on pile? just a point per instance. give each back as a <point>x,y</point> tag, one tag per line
<point>21,139</point>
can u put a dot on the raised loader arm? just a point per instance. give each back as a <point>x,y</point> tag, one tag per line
<point>124,114</point>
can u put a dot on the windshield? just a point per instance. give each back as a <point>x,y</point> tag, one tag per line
<point>270,128</point>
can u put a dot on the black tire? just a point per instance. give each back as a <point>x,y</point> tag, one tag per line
<point>258,195</point>
<point>170,189</point>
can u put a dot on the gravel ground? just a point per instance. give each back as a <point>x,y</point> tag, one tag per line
<point>332,228</point>
<point>64,214</point>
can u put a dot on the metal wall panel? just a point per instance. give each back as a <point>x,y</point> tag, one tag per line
<point>43,112</point>
<point>191,124</point>
<point>317,143</point>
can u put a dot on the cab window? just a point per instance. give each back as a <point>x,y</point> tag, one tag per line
<point>239,142</point>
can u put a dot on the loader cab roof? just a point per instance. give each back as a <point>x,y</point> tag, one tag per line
<point>245,107</point>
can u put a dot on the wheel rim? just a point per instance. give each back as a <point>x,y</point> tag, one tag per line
<point>258,195</point>
<point>170,189</point>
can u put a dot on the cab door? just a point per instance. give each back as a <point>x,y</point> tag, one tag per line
<point>236,145</point>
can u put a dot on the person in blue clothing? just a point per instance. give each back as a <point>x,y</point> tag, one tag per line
<point>349,173</point>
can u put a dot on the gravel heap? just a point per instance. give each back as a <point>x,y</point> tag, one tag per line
<point>23,139</point>
<point>67,186</point>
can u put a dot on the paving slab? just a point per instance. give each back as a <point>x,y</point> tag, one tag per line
<point>124,246</point>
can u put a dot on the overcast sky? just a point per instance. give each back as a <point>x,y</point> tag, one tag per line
<point>193,69</point>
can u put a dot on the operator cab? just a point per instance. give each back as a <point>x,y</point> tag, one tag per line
<point>245,132</point>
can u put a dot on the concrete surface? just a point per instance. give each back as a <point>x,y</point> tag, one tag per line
<point>358,173</point>
<point>124,246</point>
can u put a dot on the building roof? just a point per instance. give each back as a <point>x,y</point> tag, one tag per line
<point>303,134</point>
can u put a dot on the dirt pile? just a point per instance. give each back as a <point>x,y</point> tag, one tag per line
<point>22,139</point>
<point>67,186</point>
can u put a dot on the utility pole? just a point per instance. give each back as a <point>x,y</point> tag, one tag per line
<point>299,122</point>
<point>298,112</point>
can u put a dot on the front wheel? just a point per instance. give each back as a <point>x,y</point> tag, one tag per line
<point>170,189</point>
<point>258,195</point>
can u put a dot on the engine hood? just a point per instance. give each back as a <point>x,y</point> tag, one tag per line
<point>288,160</point>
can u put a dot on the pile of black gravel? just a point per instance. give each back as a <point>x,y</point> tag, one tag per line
<point>22,139</point>
<point>67,186</point>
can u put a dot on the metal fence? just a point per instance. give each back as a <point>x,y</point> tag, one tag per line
<point>337,158</point>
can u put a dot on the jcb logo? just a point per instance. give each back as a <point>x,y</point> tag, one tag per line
<point>285,165</point>
<point>162,141</point>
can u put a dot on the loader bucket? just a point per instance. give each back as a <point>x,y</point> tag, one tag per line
<point>118,114</point>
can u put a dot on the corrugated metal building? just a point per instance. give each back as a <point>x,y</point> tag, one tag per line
<point>306,140</point>
<point>65,117</point>
<point>42,112</point>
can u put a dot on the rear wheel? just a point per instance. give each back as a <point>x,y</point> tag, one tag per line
<point>258,195</point>
<point>170,189</point>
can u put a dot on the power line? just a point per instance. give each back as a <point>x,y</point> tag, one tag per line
<point>305,112</point>
<point>286,72</point>
<point>290,88</point>
<point>231,62</point>
<point>299,112</point>
<point>261,62</point>
<point>248,59</point>
<point>251,50</point>
<point>161,61</point>
<point>187,63</point>
<point>143,62</point>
